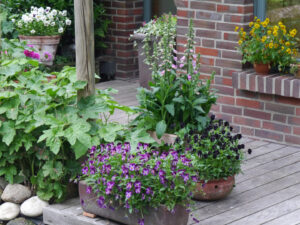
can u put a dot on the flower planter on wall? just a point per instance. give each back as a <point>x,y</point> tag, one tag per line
<point>145,73</point>
<point>44,45</point>
<point>214,189</point>
<point>262,69</point>
<point>160,216</point>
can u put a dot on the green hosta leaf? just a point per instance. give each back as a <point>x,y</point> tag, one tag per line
<point>171,109</point>
<point>161,128</point>
<point>8,132</point>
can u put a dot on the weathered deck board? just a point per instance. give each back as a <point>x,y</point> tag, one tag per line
<point>268,192</point>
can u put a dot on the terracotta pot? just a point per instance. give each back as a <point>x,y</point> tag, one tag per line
<point>262,69</point>
<point>43,44</point>
<point>160,216</point>
<point>214,189</point>
<point>166,138</point>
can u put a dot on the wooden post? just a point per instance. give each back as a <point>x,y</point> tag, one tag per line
<point>85,51</point>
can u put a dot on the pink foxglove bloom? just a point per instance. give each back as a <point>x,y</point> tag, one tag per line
<point>181,66</point>
<point>174,66</point>
<point>175,58</point>
<point>182,59</point>
<point>189,77</point>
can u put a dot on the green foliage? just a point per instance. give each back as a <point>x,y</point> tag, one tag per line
<point>178,99</point>
<point>44,129</point>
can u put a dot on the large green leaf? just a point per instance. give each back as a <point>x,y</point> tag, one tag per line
<point>161,128</point>
<point>171,109</point>
<point>80,149</point>
<point>8,132</point>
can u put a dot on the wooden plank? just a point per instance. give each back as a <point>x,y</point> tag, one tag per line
<point>265,168</point>
<point>262,150</point>
<point>85,45</point>
<point>253,207</point>
<point>236,199</point>
<point>292,218</point>
<point>262,159</point>
<point>273,212</point>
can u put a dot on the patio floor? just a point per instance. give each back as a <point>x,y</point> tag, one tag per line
<point>268,192</point>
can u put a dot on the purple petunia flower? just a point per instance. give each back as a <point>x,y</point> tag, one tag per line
<point>89,190</point>
<point>145,171</point>
<point>175,155</point>
<point>194,178</point>
<point>101,201</point>
<point>85,170</point>
<point>128,186</point>
<point>148,191</point>
<point>185,177</point>
<point>141,222</point>
<point>161,173</point>
<point>128,194</point>
<point>107,191</point>
<point>132,167</point>
<point>124,170</point>
<point>92,170</point>
<point>110,184</point>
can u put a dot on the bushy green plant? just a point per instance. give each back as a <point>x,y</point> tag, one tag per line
<point>216,153</point>
<point>44,129</point>
<point>178,99</point>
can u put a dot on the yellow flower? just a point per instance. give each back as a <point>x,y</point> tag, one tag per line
<point>269,32</point>
<point>264,38</point>
<point>267,20</point>
<point>280,23</point>
<point>240,42</point>
<point>236,28</point>
<point>250,24</point>
<point>293,32</point>
<point>257,26</point>
<point>276,46</point>
<point>282,48</point>
<point>288,44</point>
<point>289,51</point>
<point>275,33</point>
<point>244,34</point>
<point>281,41</point>
<point>276,27</point>
<point>258,20</point>
<point>271,45</point>
<point>242,29</point>
<point>264,24</point>
<point>284,31</point>
<point>295,51</point>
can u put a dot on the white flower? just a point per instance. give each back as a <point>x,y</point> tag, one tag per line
<point>41,10</point>
<point>64,13</point>
<point>20,24</point>
<point>50,17</point>
<point>32,31</point>
<point>46,23</point>
<point>48,9</point>
<point>60,30</point>
<point>54,12</point>
<point>13,20</point>
<point>52,24</point>
<point>68,22</point>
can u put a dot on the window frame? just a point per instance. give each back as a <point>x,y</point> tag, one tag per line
<point>260,8</point>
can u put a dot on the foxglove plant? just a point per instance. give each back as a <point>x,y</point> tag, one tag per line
<point>216,152</point>
<point>137,179</point>
<point>42,22</point>
<point>178,98</point>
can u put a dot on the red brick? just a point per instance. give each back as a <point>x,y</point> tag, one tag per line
<point>207,61</point>
<point>266,97</point>
<point>247,131</point>
<point>231,110</point>
<point>247,122</point>
<point>292,139</point>
<point>203,6</point>
<point>280,108</point>
<point>121,19</point>
<point>208,34</point>
<point>224,117</point>
<point>231,37</point>
<point>288,101</point>
<point>249,103</point>
<point>231,55</point>
<point>227,45</point>
<point>224,90</point>
<point>294,121</point>
<point>208,16</point>
<point>210,70</point>
<point>207,51</point>
<point>279,118</point>
<point>215,108</point>
<point>208,43</point>
<point>298,112</point>
<point>205,24</point>
<point>276,127</point>
<point>296,131</point>
<point>226,100</point>
<point>268,135</point>
<point>257,114</point>
<point>228,64</point>
<point>223,81</point>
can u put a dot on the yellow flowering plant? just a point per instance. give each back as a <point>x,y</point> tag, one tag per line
<point>268,44</point>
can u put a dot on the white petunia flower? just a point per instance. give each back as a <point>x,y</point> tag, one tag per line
<point>52,24</point>
<point>68,22</point>
<point>64,13</point>
<point>41,10</point>
<point>60,30</point>
<point>13,20</point>
<point>46,23</point>
<point>32,31</point>
<point>54,12</point>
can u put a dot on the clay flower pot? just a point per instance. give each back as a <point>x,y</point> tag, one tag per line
<point>214,189</point>
<point>45,45</point>
<point>262,69</point>
<point>160,216</point>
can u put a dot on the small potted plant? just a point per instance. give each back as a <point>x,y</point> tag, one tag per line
<point>137,185</point>
<point>217,157</point>
<point>268,45</point>
<point>42,28</point>
<point>178,100</point>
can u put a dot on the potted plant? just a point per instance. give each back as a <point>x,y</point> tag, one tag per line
<point>266,45</point>
<point>42,28</point>
<point>217,157</point>
<point>146,37</point>
<point>137,185</point>
<point>178,100</point>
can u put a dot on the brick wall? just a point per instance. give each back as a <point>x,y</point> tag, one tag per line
<point>126,16</point>
<point>269,116</point>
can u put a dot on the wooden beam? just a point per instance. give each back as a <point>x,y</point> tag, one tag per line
<point>85,42</point>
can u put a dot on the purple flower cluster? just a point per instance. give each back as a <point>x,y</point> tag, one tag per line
<point>32,54</point>
<point>136,178</point>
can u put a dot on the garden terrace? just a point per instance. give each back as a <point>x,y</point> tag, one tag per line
<point>267,192</point>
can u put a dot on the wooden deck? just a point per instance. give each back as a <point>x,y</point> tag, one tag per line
<point>268,192</point>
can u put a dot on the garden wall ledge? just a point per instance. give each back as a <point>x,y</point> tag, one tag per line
<point>275,84</point>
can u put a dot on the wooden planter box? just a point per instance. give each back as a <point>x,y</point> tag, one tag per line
<point>161,216</point>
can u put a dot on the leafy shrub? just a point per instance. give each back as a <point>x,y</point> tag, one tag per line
<point>216,152</point>
<point>178,99</point>
<point>139,178</point>
<point>44,129</point>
